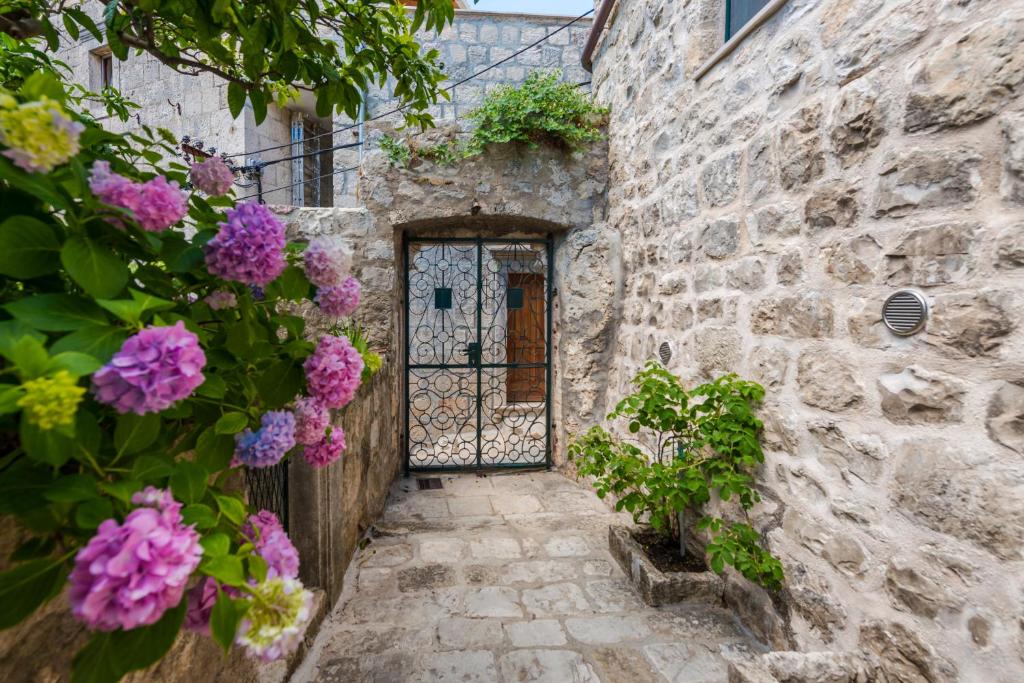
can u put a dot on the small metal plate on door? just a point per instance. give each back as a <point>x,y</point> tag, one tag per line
<point>905,312</point>
<point>515,298</point>
<point>442,298</point>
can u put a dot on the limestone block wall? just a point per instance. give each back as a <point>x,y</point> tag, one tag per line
<point>197,106</point>
<point>765,211</point>
<point>511,190</point>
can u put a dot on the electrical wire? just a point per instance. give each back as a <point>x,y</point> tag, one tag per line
<point>301,182</point>
<point>344,170</point>
<point>451,87</point>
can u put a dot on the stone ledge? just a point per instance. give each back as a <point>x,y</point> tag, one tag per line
<point>807,667</point>
<point>654,586</point>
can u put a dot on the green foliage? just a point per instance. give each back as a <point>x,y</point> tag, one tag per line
<point>443,154</point>
<point>77,278</point>
<point>335,49</point>
<point>543,110</point>
<point>397,151</point>
<point>686,446</point>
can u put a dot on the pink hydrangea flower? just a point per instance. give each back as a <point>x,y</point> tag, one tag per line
<point>267,445</point>
<point>156,204</point>
<point>201,599</point>
<point>327,450</point>
<point>339,301</point>
<point>221,299</point>
<point>249,247</point>
<point>129,574</point>
<point>333,371</point>
<point>326,263</point>
<point>311,420</point>
<point>212,176</point>
<point>265,532</point>
<point>154,369</point>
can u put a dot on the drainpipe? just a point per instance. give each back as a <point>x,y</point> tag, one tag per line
<point>595,33</point>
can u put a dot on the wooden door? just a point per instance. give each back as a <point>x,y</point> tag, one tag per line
<point>526,337</point>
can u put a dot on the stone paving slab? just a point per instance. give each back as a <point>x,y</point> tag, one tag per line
<point>508,578</point>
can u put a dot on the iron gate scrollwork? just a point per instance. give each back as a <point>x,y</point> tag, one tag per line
<point>478,352</point>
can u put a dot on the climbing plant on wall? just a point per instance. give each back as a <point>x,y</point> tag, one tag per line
<point>684,448</point>
<point>542,110</point>
<point>148,356</point>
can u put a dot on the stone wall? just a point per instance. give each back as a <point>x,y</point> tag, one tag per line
<point>765,211</point>
<point>331,508</point>
<point>197,106</point>
<point>509,191</point>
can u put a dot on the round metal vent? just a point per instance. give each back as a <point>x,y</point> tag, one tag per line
<point>665,352</point>
<point>905,312</point>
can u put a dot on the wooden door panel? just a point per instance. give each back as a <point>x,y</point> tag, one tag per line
<point>526,338</point>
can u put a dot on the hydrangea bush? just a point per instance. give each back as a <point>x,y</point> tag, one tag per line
<point>147,358</point>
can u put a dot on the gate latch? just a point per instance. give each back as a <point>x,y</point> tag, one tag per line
<point>472,352</point>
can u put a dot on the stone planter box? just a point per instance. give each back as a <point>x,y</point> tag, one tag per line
<point>654,586</point>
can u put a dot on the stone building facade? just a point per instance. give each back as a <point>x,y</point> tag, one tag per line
<point>197,106</point>
<point>767,202</point>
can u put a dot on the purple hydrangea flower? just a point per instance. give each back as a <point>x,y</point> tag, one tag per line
<point>326,263</point>
<point>327,450</point>
<point>333,371</point>
<point>156,204</point>
<point>154,369</point>
<point>212,176</point>
<point>249,247</point>
<point>339,301</point>
<point>267,445</point>
<point>129,574</point>
<point>201,599</point>
<point>221,299</point>
<point>265,532</point>
<point>311,420</point>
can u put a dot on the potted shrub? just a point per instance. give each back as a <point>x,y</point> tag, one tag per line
<point>683,448</point>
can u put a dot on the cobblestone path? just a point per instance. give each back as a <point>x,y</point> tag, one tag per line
<point>508,578</point>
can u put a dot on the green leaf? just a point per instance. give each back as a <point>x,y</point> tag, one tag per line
<point>28,248</point>
<point>134,433</point>
<point>213,386</point>
<point>11,332</point>
<point>100,342</point>
<point>231,423</point>
<point>201,515</point>
<point>215,544</point>
<point>9,397</point>
<point>134,310</point>
<point>72,488</point>
<point>236,98</point>
<point>45,446</point>
<point>214,451</point>
<point>152,468</point>
<point>92,513</point>
<point>280,383</point>
<point>189,481</point>
<point>231,507</point>
<point>122,489</point>
<point>109,656</point>
<point>97,269</point>
<point>224,619</point>
<point>56,312</point>
<point>27,586</point>
<point>29,356</point>
<point>225,568</point>
<point>75,362</point>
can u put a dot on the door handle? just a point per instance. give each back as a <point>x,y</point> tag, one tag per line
<point>472,352</point>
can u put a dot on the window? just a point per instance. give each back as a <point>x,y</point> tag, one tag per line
<point>738,13</point>
<point>107,71</point>
<point>101,69</point>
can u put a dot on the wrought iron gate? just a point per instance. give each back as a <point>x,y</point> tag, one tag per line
<point>478,353</point>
